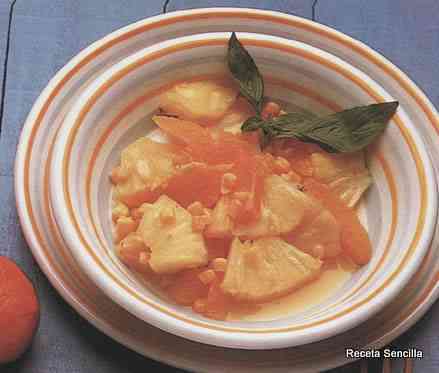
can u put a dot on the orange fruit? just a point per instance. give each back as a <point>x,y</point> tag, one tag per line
<point>221,148</point>
<point>195,182</point>
<point>182,132</point>
<point>19,311</point>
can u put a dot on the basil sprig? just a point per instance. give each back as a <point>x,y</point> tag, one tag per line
<point>343,132</point>
<point>245,71</point>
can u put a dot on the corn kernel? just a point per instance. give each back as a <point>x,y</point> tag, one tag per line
<point>134,253</point>
<point>228,183</point>
<point>207,276</point>
<point>119,209</point>
<point>219,264</point>
<point>124,226</point>
<point>144,258</point>
<point>281,165</point>
<point>270,110</point>
<point>291,176</point>
<point>199,222</point>
<point>167,216</point>
<point>199,305</point>
<point>196,208</point>
<point>119,174</point>
<point>318,251</point>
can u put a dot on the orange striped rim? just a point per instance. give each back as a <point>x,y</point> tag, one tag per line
<point>278,82</point>
<point>290,21</point>
<point>288,49</point>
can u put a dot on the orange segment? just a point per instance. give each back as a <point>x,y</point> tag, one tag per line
<point>196,182</point>
<point>354,238</point>
<point>182,131</point>
<point>219,148</point>
<point>250,174</point>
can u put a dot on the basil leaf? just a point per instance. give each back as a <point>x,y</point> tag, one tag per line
<point>292,124</point>
<point>353,129</point>
<point>343,132</point>
<point>252,124</point>
<point>245,71</point>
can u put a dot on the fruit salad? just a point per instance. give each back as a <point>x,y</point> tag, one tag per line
<point>243,203</point>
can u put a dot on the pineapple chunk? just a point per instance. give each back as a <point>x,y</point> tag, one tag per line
<point>320,237</point>
<point>265,269</point>
<point>346,174</point>
<point>351,188</point>
<point>146,165</point>
<point>205,100</point>
<point>232,121</point>
<point>174,245</point>
<point>283,208</point>
<point>221,219</point>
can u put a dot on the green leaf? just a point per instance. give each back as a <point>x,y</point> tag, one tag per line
<point>245,71</point>
<point>353,129</point>
<point>252,124</point>
<point>343,132</point>
<point>265,137</point>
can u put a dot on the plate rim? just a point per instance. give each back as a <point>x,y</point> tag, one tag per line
<point>36,250</point>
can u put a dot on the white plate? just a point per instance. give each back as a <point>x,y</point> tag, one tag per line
<point>56,261</point>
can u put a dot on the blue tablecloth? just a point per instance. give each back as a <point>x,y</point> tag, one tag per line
<point>45,34</point>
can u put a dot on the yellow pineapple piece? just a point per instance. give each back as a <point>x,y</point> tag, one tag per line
<point>267,268</point>
<point>346,174</point>
<point>232,121</point>
<point>283,208</point>
<point>351,188</point>
<point>146,165</point>
<point>221,219</point>
<point>174,245</point>
<point>205,100</point>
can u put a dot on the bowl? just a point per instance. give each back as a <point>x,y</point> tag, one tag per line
<point>115,110</point>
